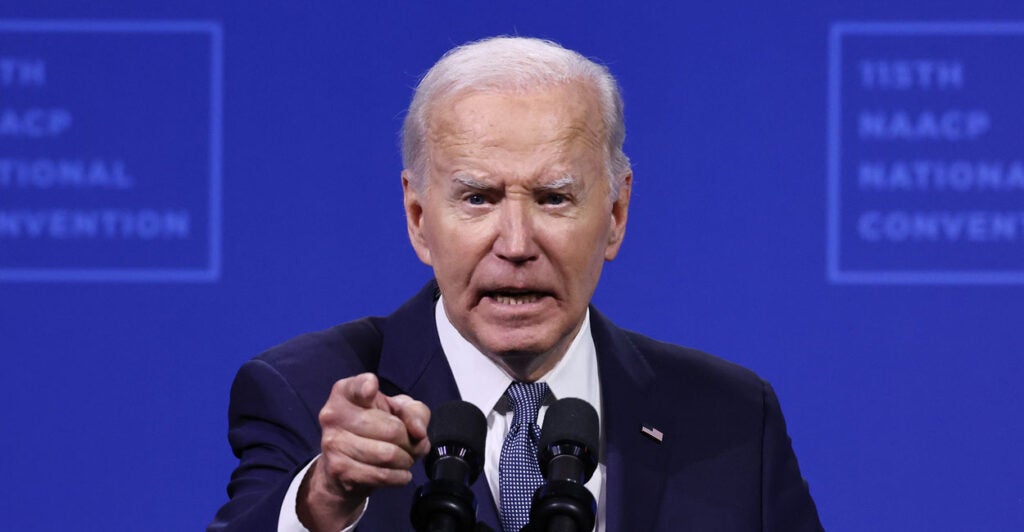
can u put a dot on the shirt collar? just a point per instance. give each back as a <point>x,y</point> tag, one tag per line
<point>483,383</point>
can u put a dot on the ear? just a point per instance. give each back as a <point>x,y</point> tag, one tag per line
<point>620,212</point>
<point>414,218</point>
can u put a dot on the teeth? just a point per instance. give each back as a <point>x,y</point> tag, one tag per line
<point>515,299</point>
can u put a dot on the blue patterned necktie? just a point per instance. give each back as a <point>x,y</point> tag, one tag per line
<point>518,471</point>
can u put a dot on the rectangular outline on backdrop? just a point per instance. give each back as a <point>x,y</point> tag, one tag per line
<point>211,273</point>
<point>832,245</point>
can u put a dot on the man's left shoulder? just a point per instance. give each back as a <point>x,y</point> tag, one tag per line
<point>696,369</point>
<point>683,358</point>
<point>730,444</point>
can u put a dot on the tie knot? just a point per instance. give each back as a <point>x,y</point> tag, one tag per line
<point>525,399</point>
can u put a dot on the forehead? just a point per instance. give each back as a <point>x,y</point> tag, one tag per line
<point>523,122</point>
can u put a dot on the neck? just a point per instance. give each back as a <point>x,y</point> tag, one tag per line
<point>528,367</point>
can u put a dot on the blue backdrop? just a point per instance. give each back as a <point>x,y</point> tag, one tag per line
<point>828,194</point>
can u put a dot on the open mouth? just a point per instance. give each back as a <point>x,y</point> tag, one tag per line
<point>515,298</point>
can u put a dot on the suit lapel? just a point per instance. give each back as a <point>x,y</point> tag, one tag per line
<point>411,359</point>
<point>412,362</point>
<point>635,462</point>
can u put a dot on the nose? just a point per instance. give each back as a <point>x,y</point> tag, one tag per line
<point>516,239</point>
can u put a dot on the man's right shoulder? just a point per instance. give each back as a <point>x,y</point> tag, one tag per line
<point>340,351</point>
<point>356,335</point>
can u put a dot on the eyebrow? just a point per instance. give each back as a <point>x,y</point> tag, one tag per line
<point>469,182</point>
<point>564,182</point>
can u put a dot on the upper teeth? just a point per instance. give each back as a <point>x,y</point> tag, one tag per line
<point>515,299</point>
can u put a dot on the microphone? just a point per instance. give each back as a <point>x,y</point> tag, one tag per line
<point>568,454</point>
<point>457,433</point>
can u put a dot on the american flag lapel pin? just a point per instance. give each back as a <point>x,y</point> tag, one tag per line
<point>652,432</point>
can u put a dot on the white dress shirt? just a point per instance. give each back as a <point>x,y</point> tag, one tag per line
<point>483,383</point>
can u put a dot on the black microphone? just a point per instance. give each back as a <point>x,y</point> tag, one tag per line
<point>457,433</point>
<point>568,456</point>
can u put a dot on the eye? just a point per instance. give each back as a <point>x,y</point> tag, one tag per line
<point>553,199</point>
<point>476,199</point>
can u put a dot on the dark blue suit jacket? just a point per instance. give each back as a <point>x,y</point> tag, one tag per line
<point>725,462</point>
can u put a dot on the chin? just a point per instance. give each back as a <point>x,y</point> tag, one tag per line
<point>518,344</point>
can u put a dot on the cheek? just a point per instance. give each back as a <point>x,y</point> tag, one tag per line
<point>579,254</point>
<point>590,235</point>
<point>457,246</point>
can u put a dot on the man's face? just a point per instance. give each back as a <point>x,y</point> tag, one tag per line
<point>516,218</point>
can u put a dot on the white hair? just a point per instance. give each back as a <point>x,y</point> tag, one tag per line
<point>518,64</point>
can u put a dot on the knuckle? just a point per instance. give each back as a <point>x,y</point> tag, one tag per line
<point>326,414</point>
<point>337,469</point>
<point>392,455</point>
<point>380,476</point>
<point>330,441</point>
<point>394,430</point>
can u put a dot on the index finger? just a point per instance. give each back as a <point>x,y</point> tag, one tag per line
<point>364,390</point>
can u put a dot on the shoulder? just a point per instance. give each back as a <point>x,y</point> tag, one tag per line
<point>308,365</point>
<point>694,386</point>
<point>687,391</point>
<point>683,364</point>
<point>351,345</point>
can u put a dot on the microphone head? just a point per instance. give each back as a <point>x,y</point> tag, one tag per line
<point>571,419</point>
<point>457,430</point>
<point>458,422</point>
<point>571,427</point>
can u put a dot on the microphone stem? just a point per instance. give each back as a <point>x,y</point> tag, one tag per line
<point>562,523</point>
<point>442,522</point>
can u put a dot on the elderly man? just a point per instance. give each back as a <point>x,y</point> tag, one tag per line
<point>516,192</point>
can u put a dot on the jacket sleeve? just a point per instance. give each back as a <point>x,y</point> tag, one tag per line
<point>274,434</point>
<point>787,505</point>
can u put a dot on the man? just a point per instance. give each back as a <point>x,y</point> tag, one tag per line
<point>516,192</point>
